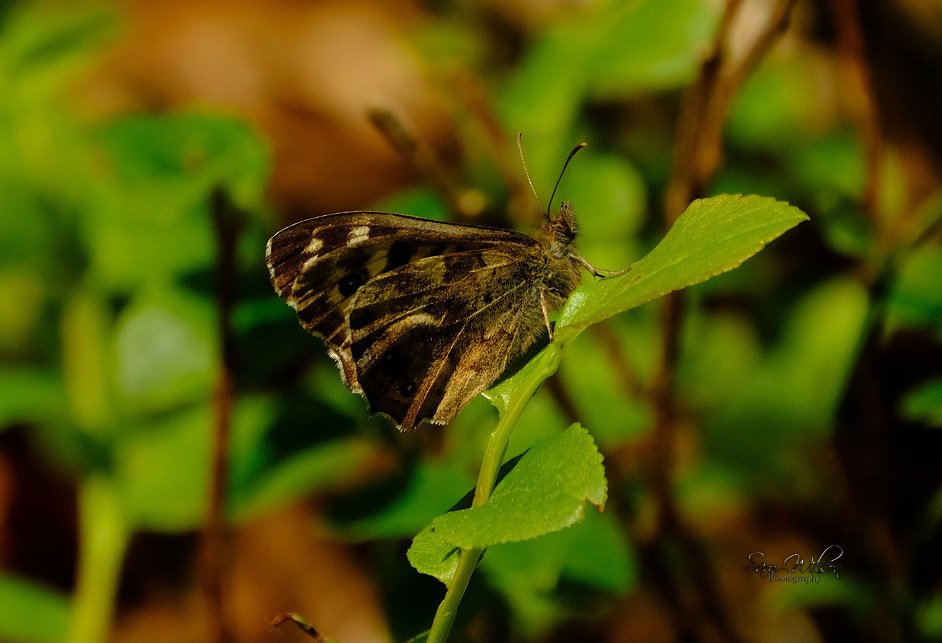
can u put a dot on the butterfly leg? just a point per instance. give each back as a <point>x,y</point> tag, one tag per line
<point>543,307</point>
<point>600,272</point>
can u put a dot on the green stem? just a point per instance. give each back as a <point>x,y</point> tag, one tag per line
<point>103,539</point>
<point>490,467</point>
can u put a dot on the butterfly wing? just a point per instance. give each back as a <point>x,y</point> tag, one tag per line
<point>431,335</point>
<point>421,316</point>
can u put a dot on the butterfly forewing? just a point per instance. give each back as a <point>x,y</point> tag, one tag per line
<point>421,316</point>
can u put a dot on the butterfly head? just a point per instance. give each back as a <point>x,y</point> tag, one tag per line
<point>558,233</point>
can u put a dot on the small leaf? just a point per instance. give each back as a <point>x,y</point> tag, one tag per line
<point>322,466</point>
<point>711,237</point>
<point>40,41</point>
<point>915,297</point>
<point>544,493</point>
<point>924,404</point>
<point>431,489</point>
<point>155,194</point>
<point>650,45</point>
<point>30,613</point>
<point>161,470</point>
<point>794,391</point>
<point>31,394</point>
<point>431,554</point>
<point>533,575</point>
<point>165,351</point>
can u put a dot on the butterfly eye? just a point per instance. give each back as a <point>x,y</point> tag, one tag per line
<point>350,283</point>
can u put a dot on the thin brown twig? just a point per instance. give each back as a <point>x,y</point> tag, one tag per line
<point>693,111</point>
<point>626,374</point>
<point>711,96</point>
<point>698,155</point>
<point>562,398</point>
<point>466,204</point>
<point>850,41</point>
<point>215,541</point>
<point>302,625</point>
<point>864,426</point>
<point>477,101</point>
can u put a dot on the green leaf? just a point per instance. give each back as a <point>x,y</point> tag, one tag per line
<point>916,297</point>
<point>326,465</point>
<point>190,153</point>
<point>929,618</point>
<point>609,196</point>
<point>924,404</point>
<point>38,38</point>
<point>793,391</point>
<point>30,394</point>
<point>23,295</point>
<point>594,554</point>
<point>161,471</point>
<point>165,351</point>
<point>650,45</point>
<point>545,492</point>
<point>30,613</point>
<point>431,490</point>
<point>162,467</point>
<point>613,415</point>
<point>600,554</point>
<point>609,49</point>
<point>433,555</point>
<point>156,194</point>
<point>711,237</point>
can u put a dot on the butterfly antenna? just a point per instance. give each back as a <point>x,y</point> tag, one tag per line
<point>523,160</point>
<point>563,171</point>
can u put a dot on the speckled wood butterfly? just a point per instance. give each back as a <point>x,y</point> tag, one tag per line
<point>420,315</point>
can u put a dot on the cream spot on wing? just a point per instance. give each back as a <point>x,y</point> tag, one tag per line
<point>309,263</point>
<point>315,246</point>
<point>358,234</point>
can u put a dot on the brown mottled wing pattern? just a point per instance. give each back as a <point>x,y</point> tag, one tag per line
<point>421,316</point>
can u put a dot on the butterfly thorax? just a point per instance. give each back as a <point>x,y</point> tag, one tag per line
<point>564,270</point>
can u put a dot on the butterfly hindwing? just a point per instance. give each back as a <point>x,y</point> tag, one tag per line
<point>424,346</point>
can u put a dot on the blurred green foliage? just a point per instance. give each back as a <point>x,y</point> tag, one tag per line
<point>110,347</point>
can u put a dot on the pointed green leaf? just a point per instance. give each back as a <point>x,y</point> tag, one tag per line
<point>711,237</point>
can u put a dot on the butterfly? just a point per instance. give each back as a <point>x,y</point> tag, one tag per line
<point>421,316</point>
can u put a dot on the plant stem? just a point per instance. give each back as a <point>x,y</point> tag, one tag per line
<point>487,478</point>
<point>104,535</point>
<point>214,548</point>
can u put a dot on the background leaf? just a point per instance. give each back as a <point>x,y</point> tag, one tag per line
<point>30,613</point>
